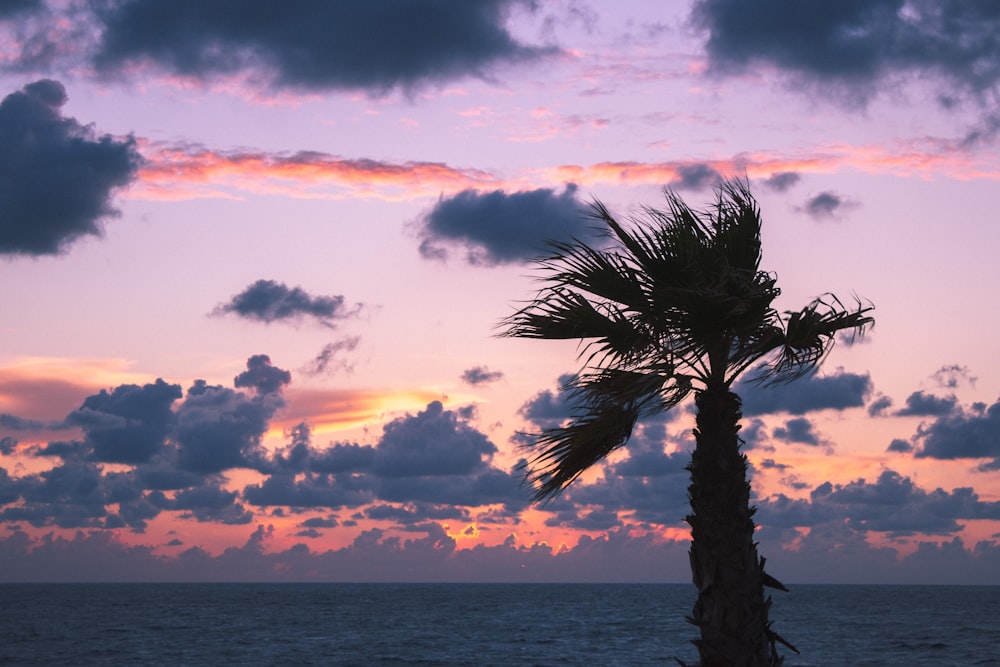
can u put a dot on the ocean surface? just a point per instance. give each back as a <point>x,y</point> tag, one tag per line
<point>473,624</point>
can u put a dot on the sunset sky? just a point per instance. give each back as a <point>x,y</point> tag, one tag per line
<point>255,255</point>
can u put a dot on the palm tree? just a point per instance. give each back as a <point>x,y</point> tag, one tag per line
<point>675,304</point>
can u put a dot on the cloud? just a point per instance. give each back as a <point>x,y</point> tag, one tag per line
<point>695,176</point>
<point>10,8</point>
<point>892,504</point>
<point>799,430</point>
<point>927,405</point>
<point>839,391</point>
<point>263,377</point>
<point>129,424</point>
<point>432,458</point>
<point>953,376</point>
<point>220,429</point>
<point>899,445</point>
<point>826,206</point>
<point>781,181</point>
<point>57,176</point>
<point>208,502</point>
<point>500,228</point>
<point>961,434</point>
<point>327,362</point>
<point>270,301</point>
<point>185,171</point>
<point>854,47</point>
<point>312,44</point>
<point>479,375</point>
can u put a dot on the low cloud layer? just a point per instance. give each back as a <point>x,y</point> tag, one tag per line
<point>57,177</point>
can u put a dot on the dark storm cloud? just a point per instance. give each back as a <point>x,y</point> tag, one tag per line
<point>695,176</point>
<point>375,45</point>
<point>927,405</point>
<point>892,504</point>
<point>128,424</point>
<point>781,181</point>
<point>972,434</point>
<point>479,375</point>
<point>270,301</point>
<point>501,228</point>
<point>852,45</point>
<point>262,376</point>
<point>839,391</point>
<point>56,176</point>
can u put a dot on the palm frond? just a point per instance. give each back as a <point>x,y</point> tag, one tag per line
<point>809,335</point>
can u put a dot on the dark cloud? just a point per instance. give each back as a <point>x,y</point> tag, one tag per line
<point>320,522</point>
<point>879,406</point>
<point>76,494</point>
<point>10,8</point>
<point>270,301</point>
<point>56,176</point>
<point>432,442</point>
<point>927,405</point>
<point>501,228</point>
<point>263,377</point>
<point>854,45</point>
<point>781,181</point>
<point>478,375</point>
<point>219,428</point>
<point>328,360</point>
<point>7,445</point>
<point>208,503</point>
<point>963,434</point>
<point>899,445</point>
<point>433,458</point>
<point>798,430</point>
<point>129,424</point>
<point>838,391</point>
<point>892,504</point>
<point>314,44</point>
<point>695,176</point>
<point>826,206</point>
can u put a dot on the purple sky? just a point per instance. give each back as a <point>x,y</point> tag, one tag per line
<point>256,253</point>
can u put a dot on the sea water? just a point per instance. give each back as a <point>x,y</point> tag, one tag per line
<point>473,624</point>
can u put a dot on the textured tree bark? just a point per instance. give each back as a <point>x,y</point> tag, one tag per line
<point>731,610</point>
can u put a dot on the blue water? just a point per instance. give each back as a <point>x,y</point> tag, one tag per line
<point>473,624</point>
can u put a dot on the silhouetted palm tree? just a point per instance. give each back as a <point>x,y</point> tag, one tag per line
<point>677,304</point>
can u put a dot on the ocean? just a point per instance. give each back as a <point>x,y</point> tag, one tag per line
<point>474,624</point>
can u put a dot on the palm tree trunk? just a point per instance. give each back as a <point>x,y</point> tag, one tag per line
<point>731,610</point>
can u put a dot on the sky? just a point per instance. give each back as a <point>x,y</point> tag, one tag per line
<point>256,255</point>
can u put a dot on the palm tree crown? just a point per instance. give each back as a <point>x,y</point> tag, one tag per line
<point>674,303</point>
